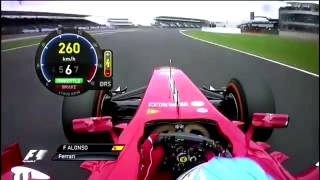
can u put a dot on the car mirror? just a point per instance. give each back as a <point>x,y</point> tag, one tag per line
<point>92,125</point>
<point>95,125</point>
<point>267,120</point>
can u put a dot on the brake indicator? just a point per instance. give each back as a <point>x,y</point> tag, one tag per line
<point>107,63</point>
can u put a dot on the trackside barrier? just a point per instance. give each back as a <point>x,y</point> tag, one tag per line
<point>222,30</point>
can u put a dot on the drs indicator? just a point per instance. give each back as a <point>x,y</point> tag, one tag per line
<point>108,63</point>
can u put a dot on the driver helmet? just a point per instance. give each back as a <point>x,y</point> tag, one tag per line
<point>226,168</point>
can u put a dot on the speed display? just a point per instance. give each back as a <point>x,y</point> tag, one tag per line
<point>69,62</point>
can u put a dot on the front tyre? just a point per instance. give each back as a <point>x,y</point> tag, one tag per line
<point>250,97</point>
<point>82,106</point>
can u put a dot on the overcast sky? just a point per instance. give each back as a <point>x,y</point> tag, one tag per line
<point>143,12</point>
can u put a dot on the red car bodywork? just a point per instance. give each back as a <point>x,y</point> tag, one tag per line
<point>158,104</point>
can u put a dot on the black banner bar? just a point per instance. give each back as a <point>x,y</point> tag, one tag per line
<point>88,148</point>
<point>83,156</point>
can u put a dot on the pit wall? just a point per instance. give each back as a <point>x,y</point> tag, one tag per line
<point>229,30</point>
<point>301,35</point>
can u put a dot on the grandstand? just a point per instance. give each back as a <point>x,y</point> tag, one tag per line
<point>119,23</point>
<point>179,22</point>
<point>299,17</point>
<point>219,24</point>
<point>15,22</point>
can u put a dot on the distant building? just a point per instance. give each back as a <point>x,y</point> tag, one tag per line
<point>119,23</point>
<point>260,24</point>
<point>179,22</point>
<point>219,24</point>
<point>16,22</point>
<point>302,17</point>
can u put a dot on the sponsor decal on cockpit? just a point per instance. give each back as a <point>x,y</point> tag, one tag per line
<point>197,103</point>
<point>167,104</point>
<point>202,110</point>
<point>152,111</point>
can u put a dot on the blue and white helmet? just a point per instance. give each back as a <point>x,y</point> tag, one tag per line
<point>226,168</point>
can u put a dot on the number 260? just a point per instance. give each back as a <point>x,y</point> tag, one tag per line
<point>74,49</point>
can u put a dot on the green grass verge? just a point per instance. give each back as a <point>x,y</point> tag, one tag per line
<point>19,43</point>
<point>303,54</point>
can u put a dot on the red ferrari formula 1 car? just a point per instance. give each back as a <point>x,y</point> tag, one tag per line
<point>171,126</point>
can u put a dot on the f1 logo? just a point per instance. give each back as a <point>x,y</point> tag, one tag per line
<point>35,155</point>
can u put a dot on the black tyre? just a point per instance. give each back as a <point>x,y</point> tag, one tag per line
<point>82,106</point>
<point>252,96</point>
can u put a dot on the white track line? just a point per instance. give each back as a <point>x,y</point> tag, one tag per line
<point>291,67</point>
<point>94,34</point>
<point>90,32</point>
<point>29,37</point>
<point>5,50</point>
<point>22,38</point>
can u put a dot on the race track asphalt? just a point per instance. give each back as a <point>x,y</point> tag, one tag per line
<point>31,115</point>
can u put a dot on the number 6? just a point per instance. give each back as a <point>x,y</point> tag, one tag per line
<point>69,48</point>
<point>68,70</point>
